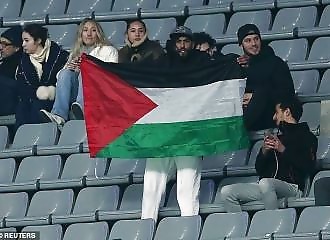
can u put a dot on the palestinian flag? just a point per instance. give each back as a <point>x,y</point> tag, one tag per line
<point>134,111</point>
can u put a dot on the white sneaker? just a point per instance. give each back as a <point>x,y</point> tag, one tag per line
<point>50,117</point>
<point>77,111</point>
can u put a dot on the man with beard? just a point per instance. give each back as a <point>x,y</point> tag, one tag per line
<point>180,55</point>
<point>268,78</point>
<point>283,163</point>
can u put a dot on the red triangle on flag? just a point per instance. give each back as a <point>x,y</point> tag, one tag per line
<point>110,105</point>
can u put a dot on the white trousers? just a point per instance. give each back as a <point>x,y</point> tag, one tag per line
<point>157,173</point>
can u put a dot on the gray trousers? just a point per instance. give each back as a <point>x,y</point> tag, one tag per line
<point>268,190</point>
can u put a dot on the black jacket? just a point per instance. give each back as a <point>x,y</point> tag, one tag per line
<point>269,79</point>
<point>298,159</point>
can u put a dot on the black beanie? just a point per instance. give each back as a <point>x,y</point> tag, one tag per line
<point>247,29</point>
<point>14,35</point>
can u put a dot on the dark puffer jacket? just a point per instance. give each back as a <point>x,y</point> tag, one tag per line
<point>269,79</point>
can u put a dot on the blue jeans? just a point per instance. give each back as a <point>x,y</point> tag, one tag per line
<point>67,90</point>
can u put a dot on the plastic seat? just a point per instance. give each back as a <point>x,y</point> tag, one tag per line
<point>115,32</point>
<point>31,170</point>
<point>260,18</point>
<point>87,231</point>
<point>3,137</point>
<point>287,19</point>
<point>71,139</point>
<point>13,205</point>
<point>232,48</point>
<point>121,171</point>
<point>266,222</point>
<point>130,206</point>
<point>213,7</point>
<point>184,228</point>
<point>296,3</point>
<point>311,223</point>
<point>309,200</point>
<point>252,5</point>
<point>213,24</point>
<point>10,8</point>
<point>294,50</point>
<point>47,232</point>
<point>305,82</point>
<point>7,170</point>
<point>76,169</point>
<point>216,165</point>
<point>206,194</point>
<point>141,229</point>
<point>160,29</point>
<point>30,136</point>
<point>324,87</point>
<point>322,29</point>
<point>168,4</point>
<point>311,115</point>
<point>323,152</point>
<point>64,35</point>
<point>134,5</point>
<point>88,202</point>
<point>43,204</point>
<point>232,225</point>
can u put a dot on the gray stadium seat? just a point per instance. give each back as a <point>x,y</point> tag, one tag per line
<point>88,202</point>
<point>289,18</point>
<point>7,170</point>
<point>293,50</point>
<point>160,29</point>
<point>64,35</point>
<point>311,222</point>
<point>115,32</point>
<point>121,171</point>
<point>87,231</point>
<point>260,18</point>
<point>168,4</point>
<point>71,139</point>
<point>324,87</point>
<point>311,115</point>
<point>230,225</point>
<point>306,81</point>
<point>308,200</point>
<point>184,228</point>
<point>47,232</point>
<point>13,205</point>
<point>75,171</point>
<point>42,205</point>
<point>296,3</point>
<point>88,6</point>
<point>130,206</point>
<point>30,136</point>
<point>213,7</point>
<point>3,137</point>
<point>141,229</point>
<point>323,152</point>
<point>252,5</point>
<point>31,170</point>
<point>206,194</point>
<point>216,165</point>
<point>213,24</point>
<point>133,5</point>
<point>322,29</point>
<point>10,8</point>
<point>232,48</point>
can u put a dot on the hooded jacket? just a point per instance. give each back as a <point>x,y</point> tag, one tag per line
<point>298,159</point>
<point>268,79</point>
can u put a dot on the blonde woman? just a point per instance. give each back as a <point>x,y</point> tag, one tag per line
<point>90,40</point>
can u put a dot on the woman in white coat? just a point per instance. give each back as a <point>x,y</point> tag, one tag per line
<point>90,40</point>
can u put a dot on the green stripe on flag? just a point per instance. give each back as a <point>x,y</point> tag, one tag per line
<point>194,138</point>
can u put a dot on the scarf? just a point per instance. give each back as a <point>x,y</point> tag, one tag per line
<point>38,59</point>
<point>136,43</point>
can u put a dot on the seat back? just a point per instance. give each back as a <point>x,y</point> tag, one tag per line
<point>3,137</point>
<point>121,167</point>
<point>311,114</point>
<point>314,219</point>
<point>74,132</point>
<point>13,204</point>
<point>324,87</point>
<point>47,232</point>
<point>306,81</point>
<point>87,231</point>
<point>115,31</point>
<point>134,5</point>
<point>265,222</point>
<point>132,197</point>
<point>213,24</point>
<point>325,17</point>
<point>141,229</point>
<point>42,8</point>
<point>79,165</point>
<point>317,52</point>
<point>91,199</point>
<point>7,170</point>
<point>184,228</point>
<point>232,48</point>
<point>160,29</point>
<point>88,6</point>
<point>56,202</point>
<point>43,134</point>
<point>323,149</point>
<point>167,4</point>
<point>232,158</point>
<point>39,167</point>
<point>293,50</point>
<point>232,225</point>
<point>10,8</point>
<point>288,18</point>
<point>319,175</point>
<point>63,35</point>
